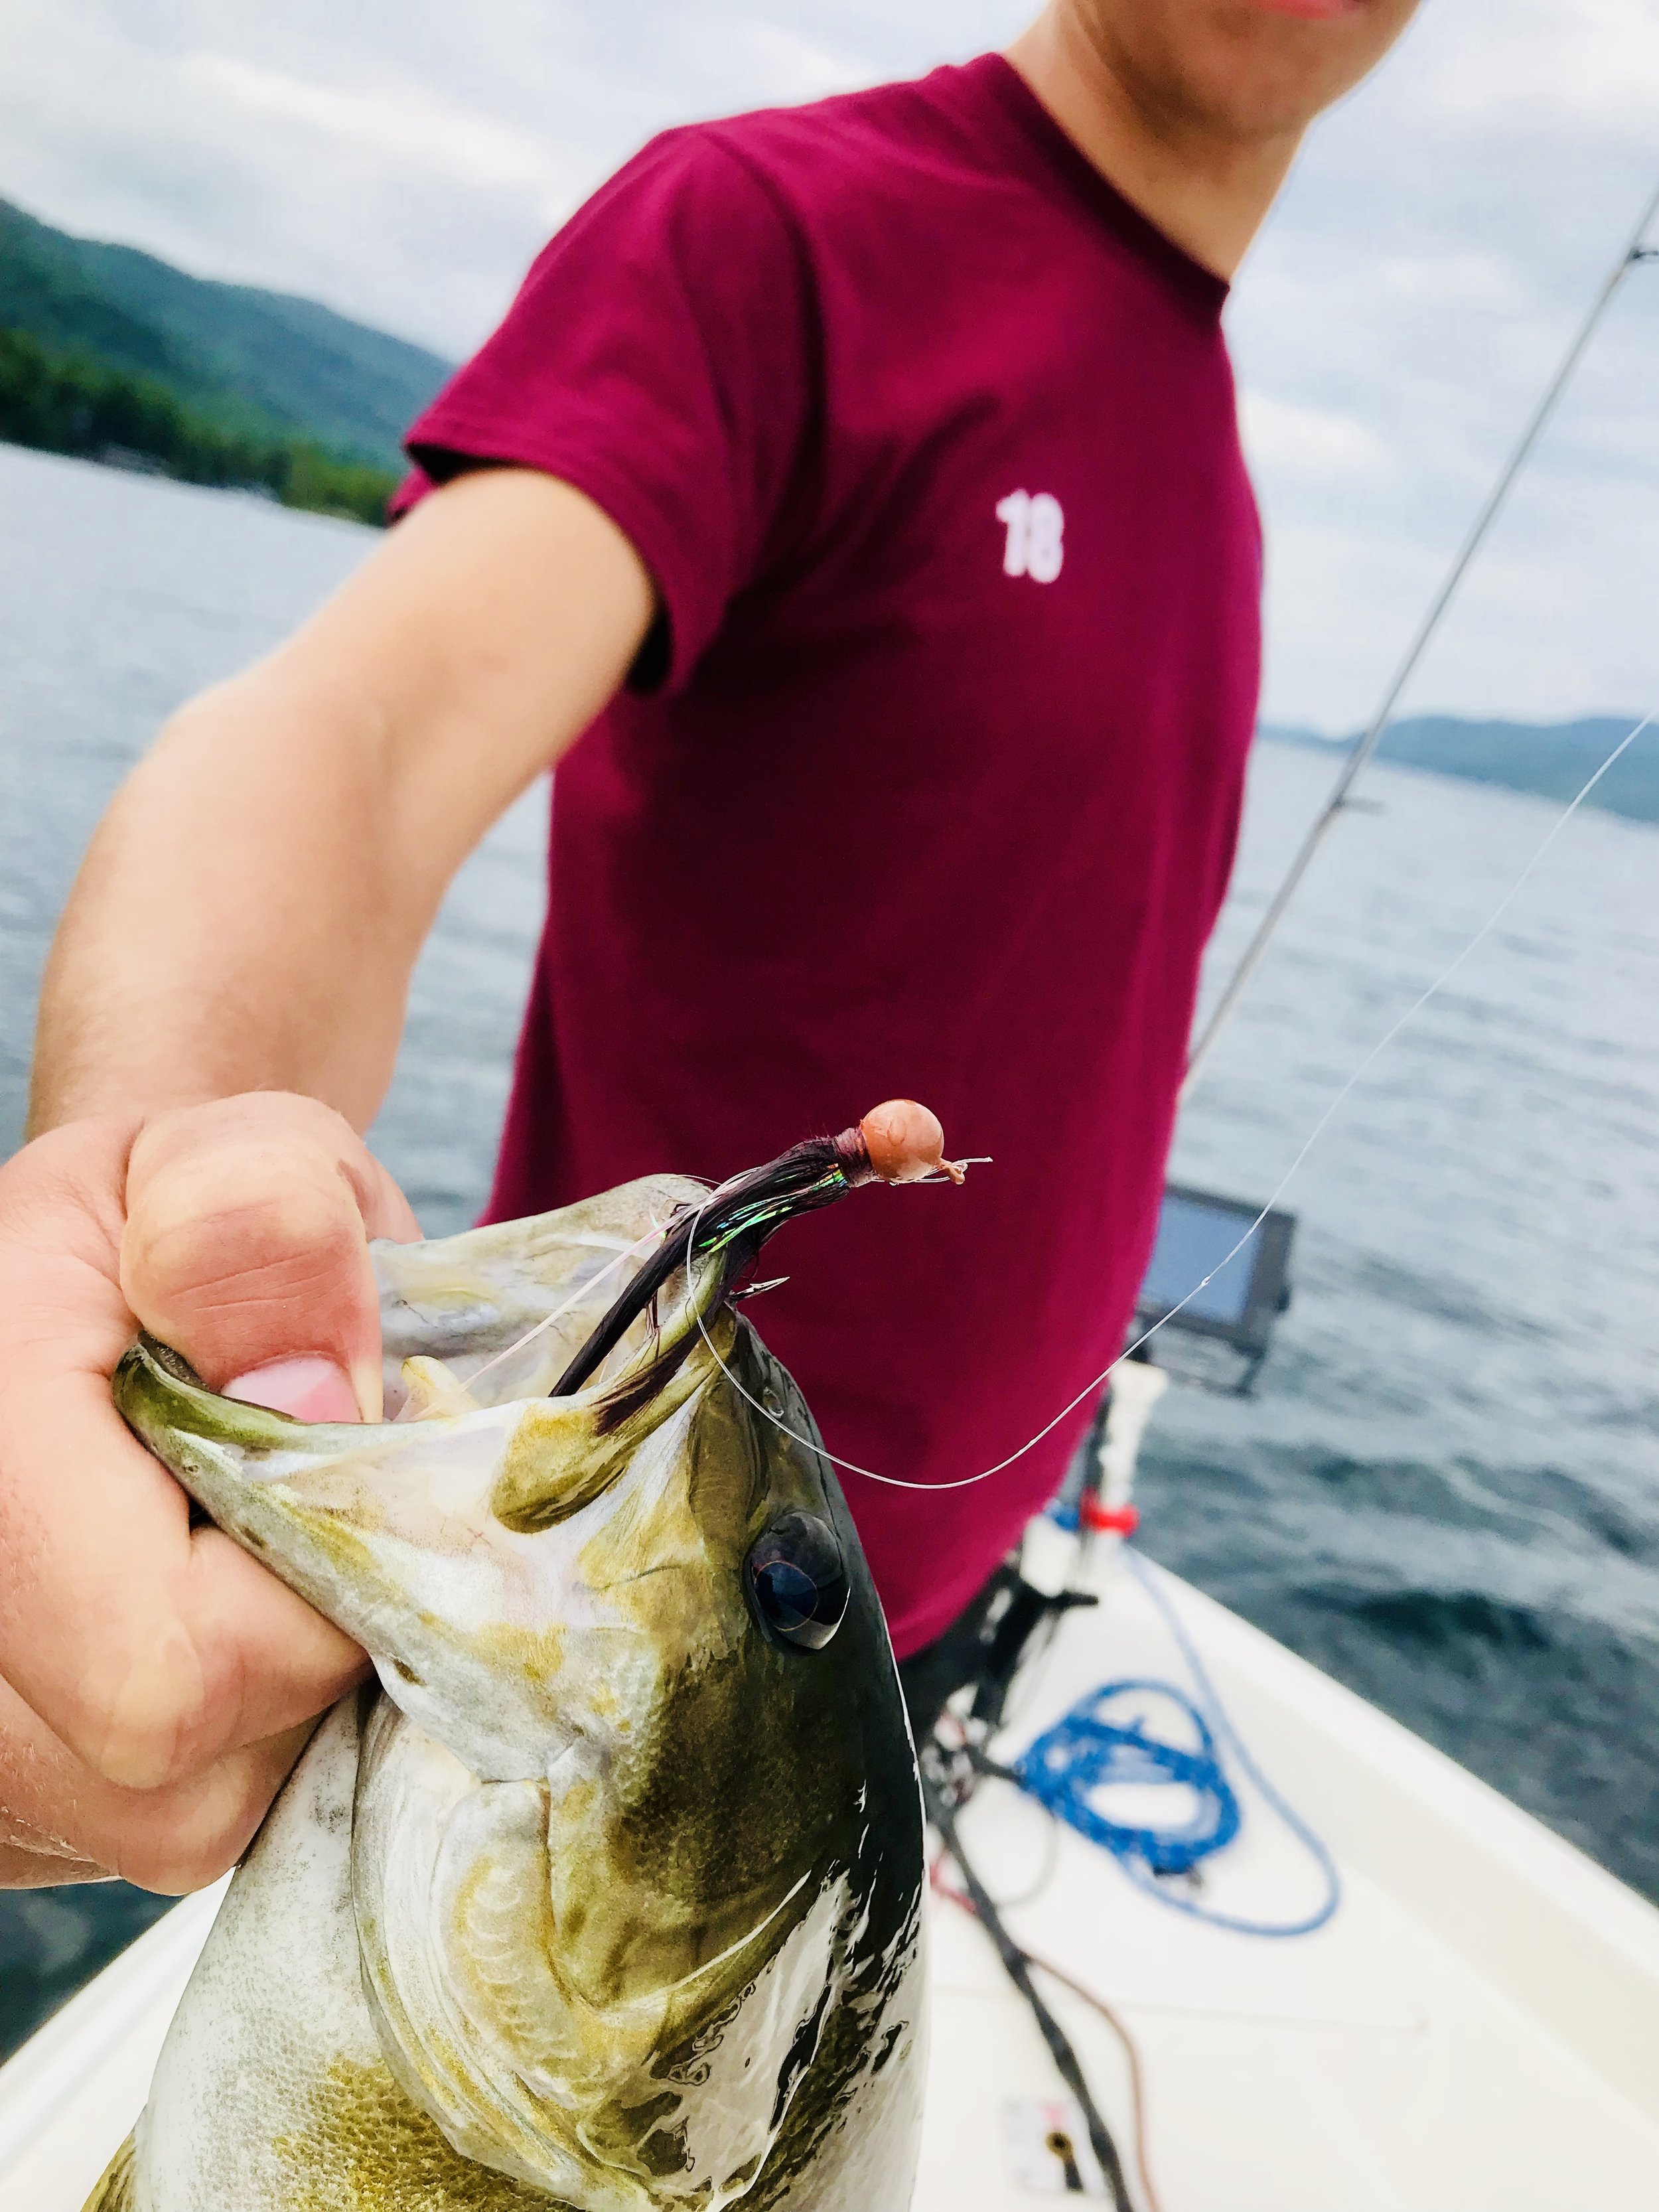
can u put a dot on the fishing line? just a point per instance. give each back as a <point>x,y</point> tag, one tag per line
<point>966,1481</point>
<point>1631,254</point>
<point>578,1297</point>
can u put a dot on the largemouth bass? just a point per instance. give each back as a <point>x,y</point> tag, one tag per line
<point>608,1893</point>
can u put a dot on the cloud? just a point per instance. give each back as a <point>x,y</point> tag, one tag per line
<point>1440,239</point>
<point>1438,246</point>
<point>1596,61</point>
<point>411,128</point>
<point>1329,449</point>
<point>798,68</point>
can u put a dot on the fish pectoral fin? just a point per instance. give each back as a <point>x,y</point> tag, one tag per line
<point>493,1923</point>
<point>454,1917</point>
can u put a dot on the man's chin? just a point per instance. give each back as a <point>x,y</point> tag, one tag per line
<point>1261,70</point>
<point>1311,10</point>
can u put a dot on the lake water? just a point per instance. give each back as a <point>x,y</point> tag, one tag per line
<point>1447,1490</point>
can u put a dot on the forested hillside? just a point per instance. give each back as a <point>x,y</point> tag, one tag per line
<point>1553,760</point>
<point>110,352</point>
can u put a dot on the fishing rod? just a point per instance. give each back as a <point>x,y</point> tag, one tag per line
<point>1633,252</point>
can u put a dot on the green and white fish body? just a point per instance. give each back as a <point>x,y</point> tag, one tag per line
<point>608,1894</point>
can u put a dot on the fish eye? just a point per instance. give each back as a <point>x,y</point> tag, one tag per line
<point>797,1582</point>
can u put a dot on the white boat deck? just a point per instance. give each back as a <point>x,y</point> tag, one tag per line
<point>1476,2030</point>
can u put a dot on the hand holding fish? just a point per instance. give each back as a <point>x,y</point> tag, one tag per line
<point>156,1683</point>
<point>236,937</point>
<point>609,1894</point>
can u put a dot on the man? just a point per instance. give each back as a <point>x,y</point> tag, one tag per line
<point>862,481</point>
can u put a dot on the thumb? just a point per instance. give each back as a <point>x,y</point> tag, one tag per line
<point>245,1248</point>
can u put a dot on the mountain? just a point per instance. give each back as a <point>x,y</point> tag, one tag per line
<point>1551,760</point>
<point>257,357</point>
<point>107,348</point>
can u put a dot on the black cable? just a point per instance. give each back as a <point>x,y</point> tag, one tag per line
<point>1019,1965</point>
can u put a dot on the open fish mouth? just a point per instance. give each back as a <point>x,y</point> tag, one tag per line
<point>636,1850</point>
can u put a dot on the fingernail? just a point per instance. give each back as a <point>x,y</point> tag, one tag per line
<point>307,1387</point>
<point>369,1385</point>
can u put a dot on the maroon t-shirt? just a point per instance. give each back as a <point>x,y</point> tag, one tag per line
<point>928,781</point>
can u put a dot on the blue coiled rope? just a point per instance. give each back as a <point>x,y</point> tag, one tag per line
<point>1086,1751</point>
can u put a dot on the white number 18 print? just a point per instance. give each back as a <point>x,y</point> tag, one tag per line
<point>1036,528</point>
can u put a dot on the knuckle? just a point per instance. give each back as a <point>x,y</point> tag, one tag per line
<point>205,1239</point>
<point>63,1189</point>
<point>251,1227</point>
<point>185,1856</point>
<point>282,1122</point>
<point>134,1755</point>
<point>183,1839</point>
<point>146,1731</point>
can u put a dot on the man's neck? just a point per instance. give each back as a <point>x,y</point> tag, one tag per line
<point>1208,192</point>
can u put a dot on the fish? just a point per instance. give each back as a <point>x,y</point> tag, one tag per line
<point>606,1893</point>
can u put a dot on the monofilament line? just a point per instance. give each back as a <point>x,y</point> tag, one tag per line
<point>965,1482</point>
<point>1631,256</point>
<point>583,1291</point>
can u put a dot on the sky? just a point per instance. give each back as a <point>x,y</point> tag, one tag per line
<point>1443,233</point>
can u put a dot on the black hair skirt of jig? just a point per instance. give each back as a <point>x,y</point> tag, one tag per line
<point>732,1224</point>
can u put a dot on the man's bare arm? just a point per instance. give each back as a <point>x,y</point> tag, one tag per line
<point>245,924</point>
<point>249,910</point>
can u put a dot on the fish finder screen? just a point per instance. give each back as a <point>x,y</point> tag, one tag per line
<point>1193,1238</point>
